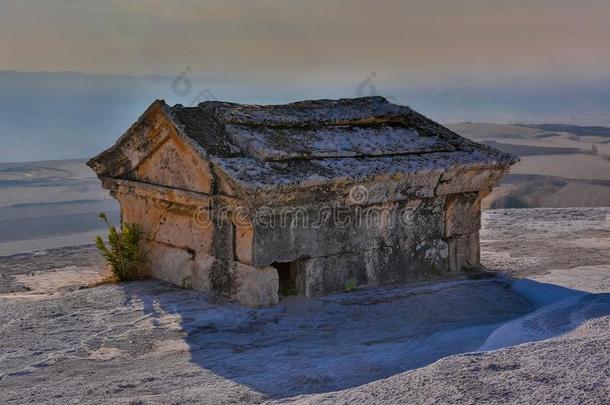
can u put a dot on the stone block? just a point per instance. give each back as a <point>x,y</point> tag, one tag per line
<point>168,223</point>
<point>244,243</point>
<point>392,189</point>
<point>245,284</point>
<point>316,231</point>
<point>327,274</point>
<point>406,262</point>
<point>464,252</point>
<point>255,287</point>
<point>463,213</point>
<point>389,264</point>
<point>469,180</point>
<point>177,266</point>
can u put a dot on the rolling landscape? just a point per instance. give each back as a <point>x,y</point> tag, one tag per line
<point>561,165</point>
<point>50,204</point>
<point>70,116</point>
<point>55,203</point>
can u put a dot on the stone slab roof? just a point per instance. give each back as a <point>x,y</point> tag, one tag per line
<point>327,139</point>
<point>262,146</point>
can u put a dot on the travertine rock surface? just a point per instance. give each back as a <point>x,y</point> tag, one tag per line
<point>147,342</point>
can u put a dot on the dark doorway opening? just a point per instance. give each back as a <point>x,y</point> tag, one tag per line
<point>288,278</point>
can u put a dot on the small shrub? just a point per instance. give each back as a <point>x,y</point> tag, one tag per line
<point>351,284</point>
<point>123,253</point>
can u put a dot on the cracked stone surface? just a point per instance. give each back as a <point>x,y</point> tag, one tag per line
<point>148,342</point>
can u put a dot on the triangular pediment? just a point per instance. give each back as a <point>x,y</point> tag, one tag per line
<point>174,164</point>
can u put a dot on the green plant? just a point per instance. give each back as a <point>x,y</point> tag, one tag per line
<point>123,253</point>
<point>351,284</point>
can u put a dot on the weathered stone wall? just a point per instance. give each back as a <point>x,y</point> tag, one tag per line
<point>374,244</point>
<point>383,265</point>
<point>417,229</point>
<point>286,234</point>
<point>216,250</point>
<point>216,243</point>
<point>399,242</point>
<point>183,251</point>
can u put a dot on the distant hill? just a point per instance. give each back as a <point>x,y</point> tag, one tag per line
<point>573,129</point>
<point>42,203</point>
<point>68,115</point>
<point>561,165</point>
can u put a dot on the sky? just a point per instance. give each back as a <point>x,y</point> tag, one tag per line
<point>502,61</point>
<point>309,39</point>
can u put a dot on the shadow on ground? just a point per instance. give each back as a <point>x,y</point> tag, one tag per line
<point>305,346</point>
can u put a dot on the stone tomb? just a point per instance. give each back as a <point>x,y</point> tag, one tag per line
<point>250,202</point>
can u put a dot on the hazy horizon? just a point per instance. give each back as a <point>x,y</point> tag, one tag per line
<point>73,115</point>
<point>74,75</point>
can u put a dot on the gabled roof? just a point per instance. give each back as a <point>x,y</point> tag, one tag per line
<point>263,146</point>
